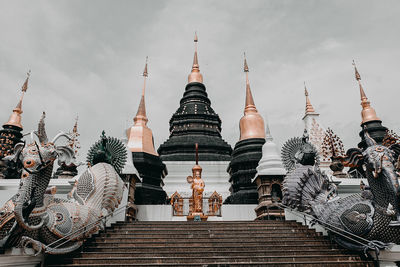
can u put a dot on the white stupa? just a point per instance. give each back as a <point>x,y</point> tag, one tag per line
<point>271,161</point>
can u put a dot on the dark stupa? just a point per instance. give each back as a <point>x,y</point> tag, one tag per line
<point>195,122</point>
<point>10,135</point>
<point>370,122</point>
<point>247,152</point>
<point>145,158</point>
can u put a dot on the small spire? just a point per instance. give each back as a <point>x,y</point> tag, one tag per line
<point>15,118</point>
<point>75,129</point>
<point>246,67</point>
<point>368,113</point>
<point>309,107</point>
<point>141,117</point>
<point>195,75</point>
<point>268,135</point>
<point>249,97</point>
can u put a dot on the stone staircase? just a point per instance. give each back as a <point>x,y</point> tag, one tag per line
<point>244,243</point>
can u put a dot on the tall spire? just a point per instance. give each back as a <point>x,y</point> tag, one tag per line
<point>15,118</point>
<point>251,124</point>
<point>249,105</point>
<point>367,113</point>
<point>309,107</point>
<point>140,137</point>
<point>141,118</point>
<point>195,75</point>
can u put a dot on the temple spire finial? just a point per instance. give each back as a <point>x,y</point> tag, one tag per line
<point>249,97</point>
<point>195,75</point>
<point>15,118</point>
<point>309,108</point>
<point>367,112</point>
<point>141,117</point>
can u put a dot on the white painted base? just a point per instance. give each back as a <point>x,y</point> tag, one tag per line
<point>214,176</point>
<point>164,213</point>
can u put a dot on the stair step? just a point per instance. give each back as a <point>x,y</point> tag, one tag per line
<point>357,263</point>
<point>207,235</point>
<point>215,247</point>
<point>215,259</point>
<point>198,254</point>
<point>215,242</point>
<point>244,243</point>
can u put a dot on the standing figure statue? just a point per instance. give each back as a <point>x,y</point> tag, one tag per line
<point>197,185</point>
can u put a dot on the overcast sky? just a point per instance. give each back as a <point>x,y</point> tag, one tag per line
<point>87,58</point>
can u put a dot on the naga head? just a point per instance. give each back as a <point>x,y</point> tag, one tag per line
<point>378,157</point>
<point>37,160</point>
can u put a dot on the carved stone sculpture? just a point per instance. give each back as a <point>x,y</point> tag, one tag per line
<point>374,214</point>
<point>35,218</point>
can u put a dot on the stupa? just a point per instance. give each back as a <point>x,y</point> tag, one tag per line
<point>269,178</point>
<point>247,152</point>
<point>370,122</point>
<point>316,131</point>
<point>11,134</point>
<point>145,158</point>
<point>195,121</point>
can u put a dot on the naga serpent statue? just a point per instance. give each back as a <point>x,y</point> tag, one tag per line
<point>35,218</point>
<point>374,214</point>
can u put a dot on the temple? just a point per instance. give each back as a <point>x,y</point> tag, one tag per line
<point>247,152</point>
<point>130,204</point>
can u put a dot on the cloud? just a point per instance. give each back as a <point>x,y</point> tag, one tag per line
<point>87,58</point>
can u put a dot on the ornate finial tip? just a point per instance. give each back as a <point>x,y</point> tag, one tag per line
<point>246,67</point>
<point>358,76</point>
<point>145,72</point>
<point>305,89</point>
<point>25,85</point>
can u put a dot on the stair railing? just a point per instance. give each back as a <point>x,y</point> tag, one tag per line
<point>367,244</point>
<point>103,219</point>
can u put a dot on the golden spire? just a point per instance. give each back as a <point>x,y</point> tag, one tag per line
<point>141,118</point>
<point>15,118</point>
<point>140,137</point>
<point>309,107</point>
<point>249,97</point>
<point>251,124</point>
<point>367,113</point>
<point>195,75</point>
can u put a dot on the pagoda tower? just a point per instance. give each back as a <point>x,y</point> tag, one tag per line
<point>247,152</point>
<point>269,179</point>
<point>145,158</point>
<point>315,130</point>
<point>11,134</point>
<point>195,121</point>
<point>370,122</point>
